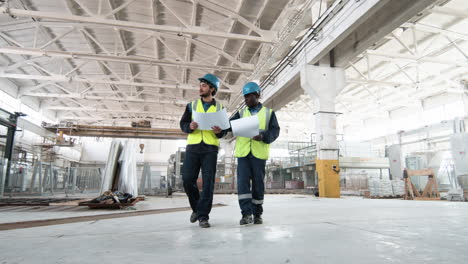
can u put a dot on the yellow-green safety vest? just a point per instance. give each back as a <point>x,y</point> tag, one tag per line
<point>207,136</point>
<point>259,149</point>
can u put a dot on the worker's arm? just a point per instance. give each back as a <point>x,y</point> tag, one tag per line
<point>186,120</point>
<point>221,133</point>
<point>273,131</point>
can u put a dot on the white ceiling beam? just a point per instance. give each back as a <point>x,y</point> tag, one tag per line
<point>134,25</point>
<point>23,90</point>
<point>124,46</point>
<point>120,117</point>
<point>18,64</point>
<point>234,15</point>
<point>401,97</point>
<point>116,58</point>
<point>196,42</point>
<point>57,38</point>
<point>434,53</point>
<point>414,35</point>
<point>104,64</point>
<point>63,78</point>
<point>40,68</point>
<point>229,86</point>
<point>417,58</point>
<point>449,11</point>
<point>358,71</point>
<point>129,99</point>
<point>85,9</point>
<point>188,44</point>
<point>164,3</point>
<point>9,40</point>
<point>406,73</point>
<point>402,43</point>
<point>376,82</point>
<point>137,45</point>
<point>116,10</point>
<point>76,68</point>
<point>104,110</point>
<point>436,30</point>
<point>169,47</point>
<point>154,15</point>
<point>391,102</point>
<point>457,47</point>
<point>427,41</point>
<point>61,88</point>
<point>89,36</point>
<point>99,10</point>
<point>38,28</point>
<point>221,52</point>
<point>140,73</point>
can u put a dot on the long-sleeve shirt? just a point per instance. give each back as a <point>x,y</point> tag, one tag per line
<point>185,121</point>
<point>272,133</point>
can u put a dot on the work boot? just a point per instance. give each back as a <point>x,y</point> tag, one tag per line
<point>193,217</point>
<point>203,223</point>
<point>258,220</point>
<point>246,219</point>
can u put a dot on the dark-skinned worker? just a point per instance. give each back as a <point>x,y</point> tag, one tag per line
<point>201,151</point>
<point>252,154</point>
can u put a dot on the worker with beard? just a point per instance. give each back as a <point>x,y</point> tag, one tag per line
<point>201,151</point>
<point>252,154</point>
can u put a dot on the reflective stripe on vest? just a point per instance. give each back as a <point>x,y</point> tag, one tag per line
<point>259,149</point>
<point>207,136</point>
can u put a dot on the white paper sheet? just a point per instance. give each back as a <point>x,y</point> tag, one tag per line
<point>206,121</point>
<point>245,127</point>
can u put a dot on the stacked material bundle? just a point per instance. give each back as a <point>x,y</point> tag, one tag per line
<point>381,187</point>
<point>374,187</point>
<point>355,182</point>
<point>120,173</point>
<point>111,168</point>
<point>386,189</point>
<point>398,187</point>
<point>128,172</point>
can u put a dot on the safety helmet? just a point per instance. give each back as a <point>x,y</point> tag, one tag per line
<point>250,87</point>
<point>211,80</point>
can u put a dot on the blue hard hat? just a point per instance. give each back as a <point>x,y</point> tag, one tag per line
<point>250,87</point>
<point>211,80</point>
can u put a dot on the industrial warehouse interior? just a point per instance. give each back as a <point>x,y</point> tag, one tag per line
<point>107,108</point>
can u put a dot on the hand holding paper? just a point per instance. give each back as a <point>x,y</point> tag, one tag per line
<point>206,121</point>
<point>193,125</point>
<point>258,137</point>
<point>245,127</point>
<point>216,129</point>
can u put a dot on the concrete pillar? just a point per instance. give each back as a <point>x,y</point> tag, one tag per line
<point>304,177</point>
<point>465,103</point>
<point>323,83</point>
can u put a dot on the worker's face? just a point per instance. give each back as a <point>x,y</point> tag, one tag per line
<point>205,90</point>
<point>251,99</point>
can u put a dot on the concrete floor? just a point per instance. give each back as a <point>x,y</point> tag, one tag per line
<point>296,229</point>
<point>28,213</point>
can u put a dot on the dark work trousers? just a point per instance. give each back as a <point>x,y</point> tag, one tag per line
<point>200,203</point>
<point>251,169</point>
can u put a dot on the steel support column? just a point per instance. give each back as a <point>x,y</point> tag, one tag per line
<point>324,83</point>
<point>11,124</point>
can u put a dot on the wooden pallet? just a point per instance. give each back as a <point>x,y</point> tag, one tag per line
<point>132,202</point>
<point>430,192</point>
<point>386,197</point>
<point>427,198</point>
